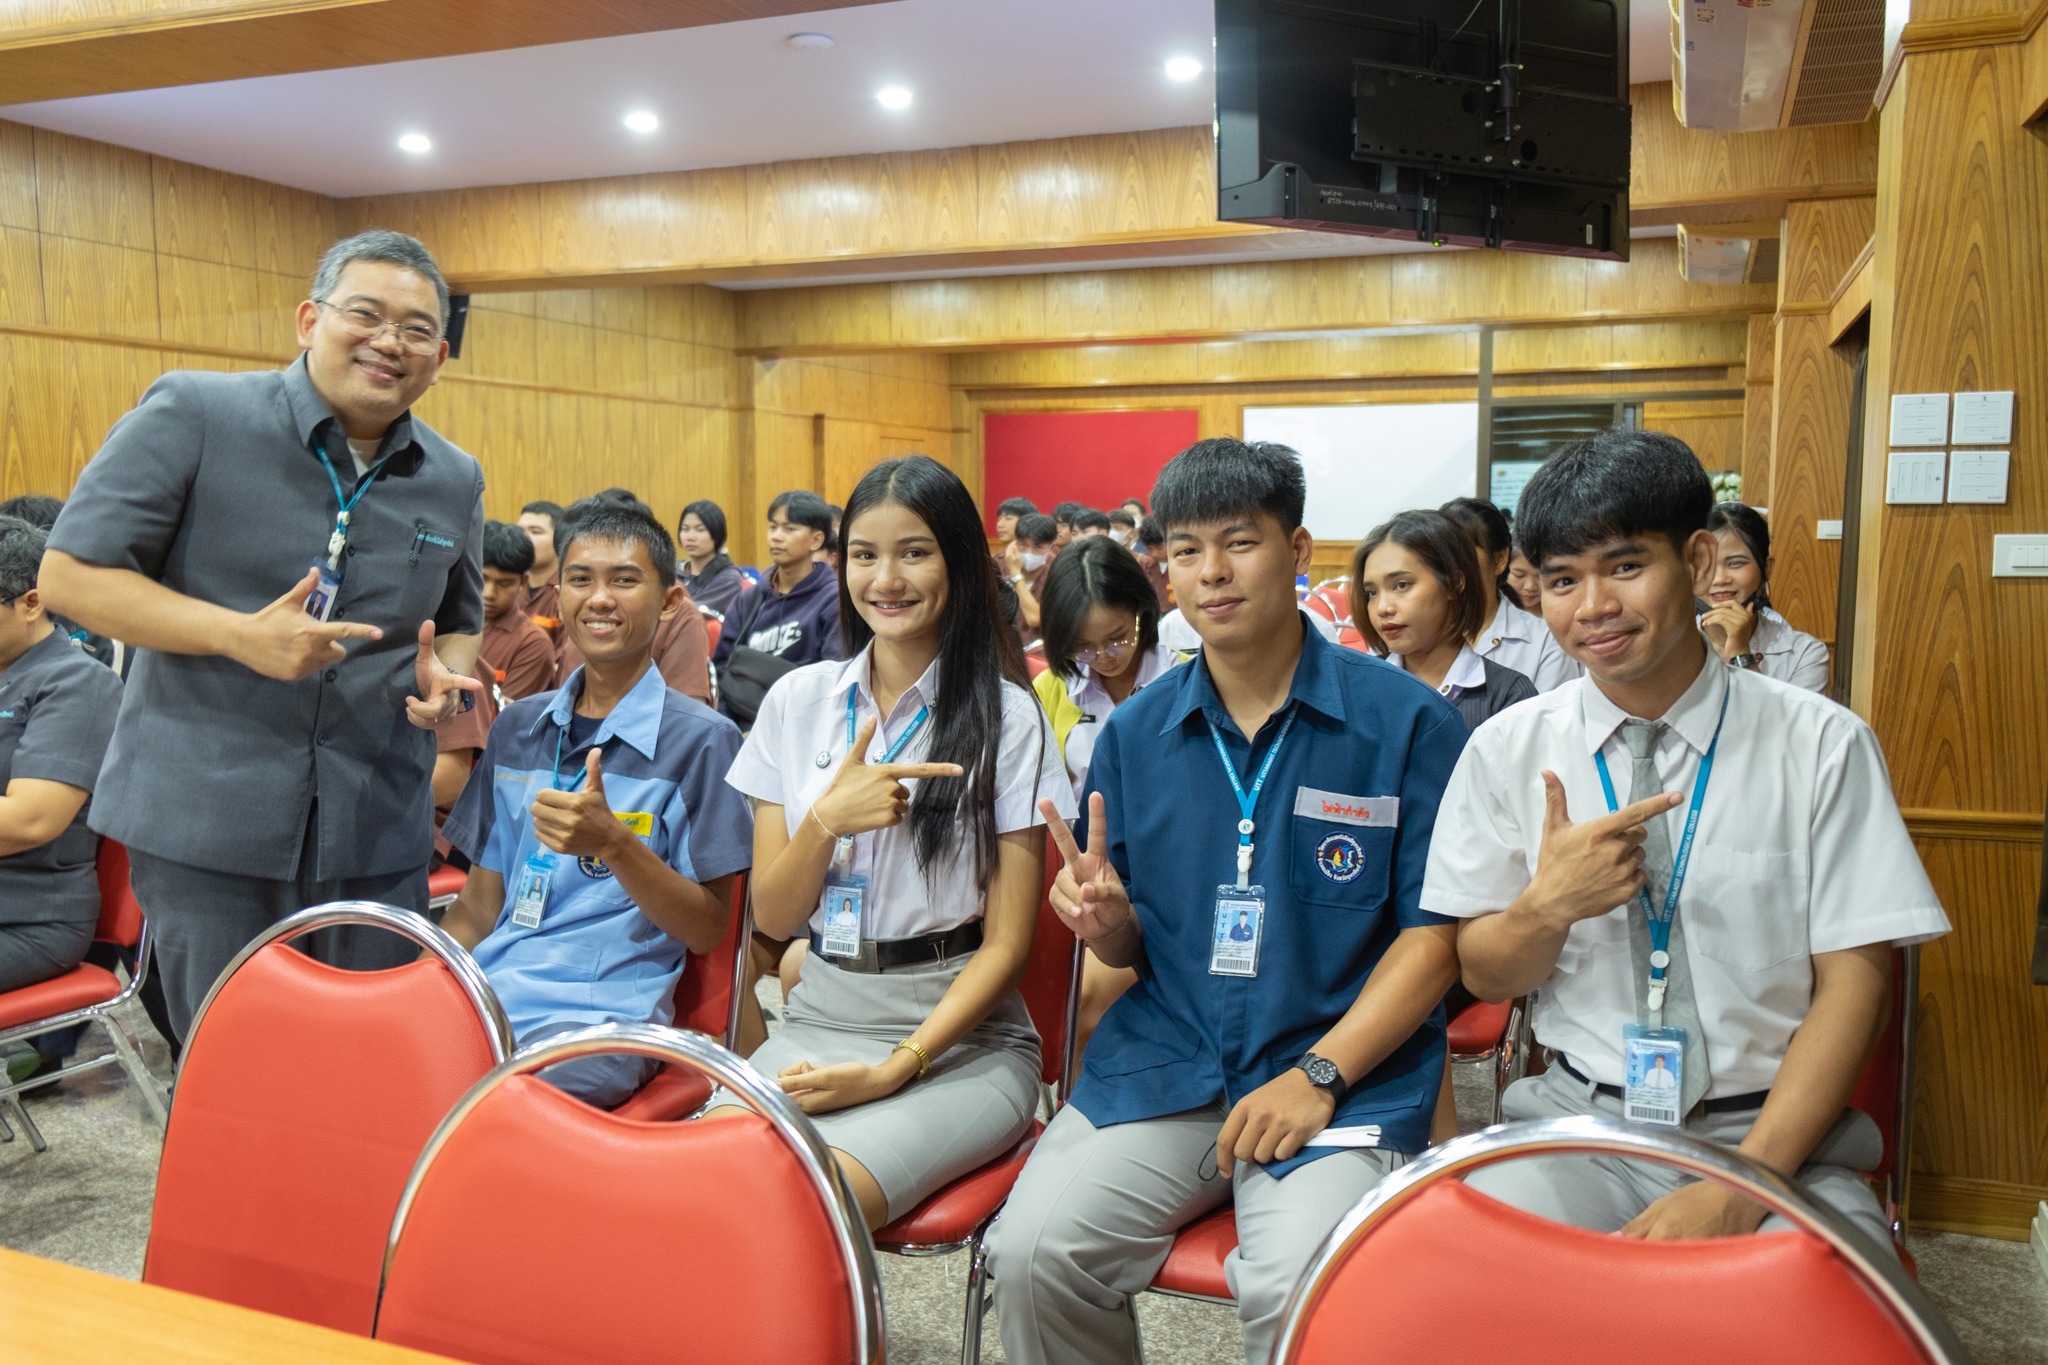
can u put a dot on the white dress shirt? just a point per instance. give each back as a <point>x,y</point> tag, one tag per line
<point>1515,639</point>
<point>1466,672</point>
<point>803,718</point>
<point>1087,692</point>
<point>1800,850</point>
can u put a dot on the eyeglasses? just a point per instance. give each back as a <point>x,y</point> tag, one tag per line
<point>367,325</point>
<point>1116,649</point>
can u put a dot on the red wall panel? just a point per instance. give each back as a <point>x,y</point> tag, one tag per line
<point>1097,458</point>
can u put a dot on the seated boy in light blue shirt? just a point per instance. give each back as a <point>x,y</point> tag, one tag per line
<point>603,835</point>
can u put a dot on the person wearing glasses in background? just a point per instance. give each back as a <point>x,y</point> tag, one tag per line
<point>1101,649</point>
<point>297,561</point>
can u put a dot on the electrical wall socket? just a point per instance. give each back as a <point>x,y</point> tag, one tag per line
<point>2019,556</point>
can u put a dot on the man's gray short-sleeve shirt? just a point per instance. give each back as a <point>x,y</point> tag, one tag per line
<point>211,486</point>
<point>57,706</point>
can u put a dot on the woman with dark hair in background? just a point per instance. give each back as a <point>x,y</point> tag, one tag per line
<point>1526,583</point>
<point>896,823</point>
<point>703,568</point>
<point>1511,637</point>
<point>1737,617</point>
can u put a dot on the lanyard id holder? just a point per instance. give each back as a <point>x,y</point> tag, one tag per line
<point>1239,925</point>
<point>532,894</point>
<point>1654,1075</point>
<point>320,605</point>
<point>846,904</point>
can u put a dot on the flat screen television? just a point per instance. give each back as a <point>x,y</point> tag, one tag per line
<point>1461,122</point>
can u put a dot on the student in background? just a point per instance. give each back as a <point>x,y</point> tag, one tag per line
<point>1063,520</point>
<point>543,580</point>
<point>1417,602</point>
<point>681,645</point>
<point>1151,555</point>
<point>459,742</point>
<point>1089,522</point>
<point>906,777</point>
<point>40,511</point>
<point>602,839</point>
<point>1737,616</point>
<point>828,553</point>
<point>1564,843</point>
<point>1524,583</point>
<point>702,566</point>
<point>515,654</point>
<point>1290,1072</point>
<point>1101,649</point>
<point>1511,637</point>
<point>793,614</point>
<point>1007,515</point>
<point>57,710</point>
<point>1026,562</point>
<point>1123,528</point>
<point>1135,506</point>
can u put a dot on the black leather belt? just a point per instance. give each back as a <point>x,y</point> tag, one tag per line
<point>1726,1104</point>
<point>931,949</point>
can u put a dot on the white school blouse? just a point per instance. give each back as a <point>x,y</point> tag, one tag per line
<point>1087,692</point>
<point>1790,655</point>
<point>1518,640</point>
<point>1800,850</point>
<point>803,718</point>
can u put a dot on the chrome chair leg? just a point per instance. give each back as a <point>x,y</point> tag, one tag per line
<point>977,1297</point>
<point>131,1061</point>
<point>6,1133</point>
<point>28,1125</point>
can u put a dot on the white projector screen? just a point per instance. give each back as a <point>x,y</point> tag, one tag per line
<point>1366,462</point>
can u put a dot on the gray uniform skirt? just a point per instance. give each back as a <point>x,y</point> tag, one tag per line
<point>977,1101</point>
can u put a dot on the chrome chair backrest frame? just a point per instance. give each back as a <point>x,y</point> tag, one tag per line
<point>664,1044</point>
<point>1597,1135</point>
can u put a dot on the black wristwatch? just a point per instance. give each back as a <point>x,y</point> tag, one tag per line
<point>1323,1073</point>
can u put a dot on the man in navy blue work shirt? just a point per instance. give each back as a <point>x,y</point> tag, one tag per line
<point>1288,1064</point>
<point>603,835</point>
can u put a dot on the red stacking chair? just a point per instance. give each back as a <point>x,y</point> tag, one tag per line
<point>536,1230</point>
<point>1486,1032</point>
<point>444,884</point>
<point>707,999</point>
<point>1886,1094</point>
<point>305,1095</point>
<point>714,626</point>
<point>86,994</point>
<point>1331,600</point>
<point>957,1217</point>
<point>1397,1272</point>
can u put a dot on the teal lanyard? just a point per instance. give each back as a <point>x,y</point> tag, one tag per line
<point>339,540</point>
<point>1660,925</point>
<point>889,755</point>
<point>1248,802</point>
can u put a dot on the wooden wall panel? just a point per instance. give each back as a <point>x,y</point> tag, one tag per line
<point>1713,428</point>
<point>93,192</point>
<point>1671,165</point>
<point>1948,661</point>
<point>1759,372</point>
<point>18,176</point>
<point>1821,240</point>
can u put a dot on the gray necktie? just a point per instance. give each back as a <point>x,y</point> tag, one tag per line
<point>1681,1008</point>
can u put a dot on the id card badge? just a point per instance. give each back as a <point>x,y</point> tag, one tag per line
<point>531,897</point>
<point>1240,922</point>
<point>320,605</point>
<point>846,898</point>
<point>1654,1079</point>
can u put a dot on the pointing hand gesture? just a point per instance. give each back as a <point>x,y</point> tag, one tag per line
<point>283,642</point>
<point>1087,895</point>
<point>439,687</point>
<point>1586,870</point>
<point>869,796</point>
<point>580,823</point>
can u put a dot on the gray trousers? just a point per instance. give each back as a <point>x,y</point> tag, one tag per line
<point>201,919</point>
<point>33,953</point>
<point>604,1081</point>
<point>1605,1193</point>
<point>1094,1213</point>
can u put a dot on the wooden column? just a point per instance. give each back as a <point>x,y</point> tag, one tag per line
<point>1951,665</point>
<point>1757,413</point>
<point>1810,409</point>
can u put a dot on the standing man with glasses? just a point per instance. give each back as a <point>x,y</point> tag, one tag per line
<point>297,561</point>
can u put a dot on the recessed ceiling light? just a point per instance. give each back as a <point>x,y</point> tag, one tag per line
<point>815,41</point>
<point>419,144</point>
<point>894,97</point>
<point>642,121</point>
<point>1182,68</point>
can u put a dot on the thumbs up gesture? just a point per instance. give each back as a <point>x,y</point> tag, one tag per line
<point>1585,870</point>
<point>580,823</point>
<point>1087,895</point>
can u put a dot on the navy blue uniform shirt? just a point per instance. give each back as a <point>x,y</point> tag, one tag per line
<point>1342,839</point>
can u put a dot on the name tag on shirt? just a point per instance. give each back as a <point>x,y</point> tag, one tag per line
<point>641,822</point>
<point>1372,811</point>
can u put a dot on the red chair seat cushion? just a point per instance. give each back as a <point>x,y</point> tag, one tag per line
<point>1587,1298</point>
<point>446,881</point>
<point>955,1212</point>
<point>81,986</point>
<point>1195,1265</point>
<point>1478,1028</point>
<point>673,1093</point>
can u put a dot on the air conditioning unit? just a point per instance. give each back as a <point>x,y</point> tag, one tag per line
<point>1745,65</point>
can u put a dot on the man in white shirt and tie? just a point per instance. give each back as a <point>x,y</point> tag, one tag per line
<point>1767,956</point>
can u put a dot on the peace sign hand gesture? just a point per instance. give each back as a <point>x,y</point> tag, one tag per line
<point>869,796</point>
<point>1087,895</point>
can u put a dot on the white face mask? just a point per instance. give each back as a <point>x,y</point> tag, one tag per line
<point>1033,561</point>
<point>1123,538</point>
